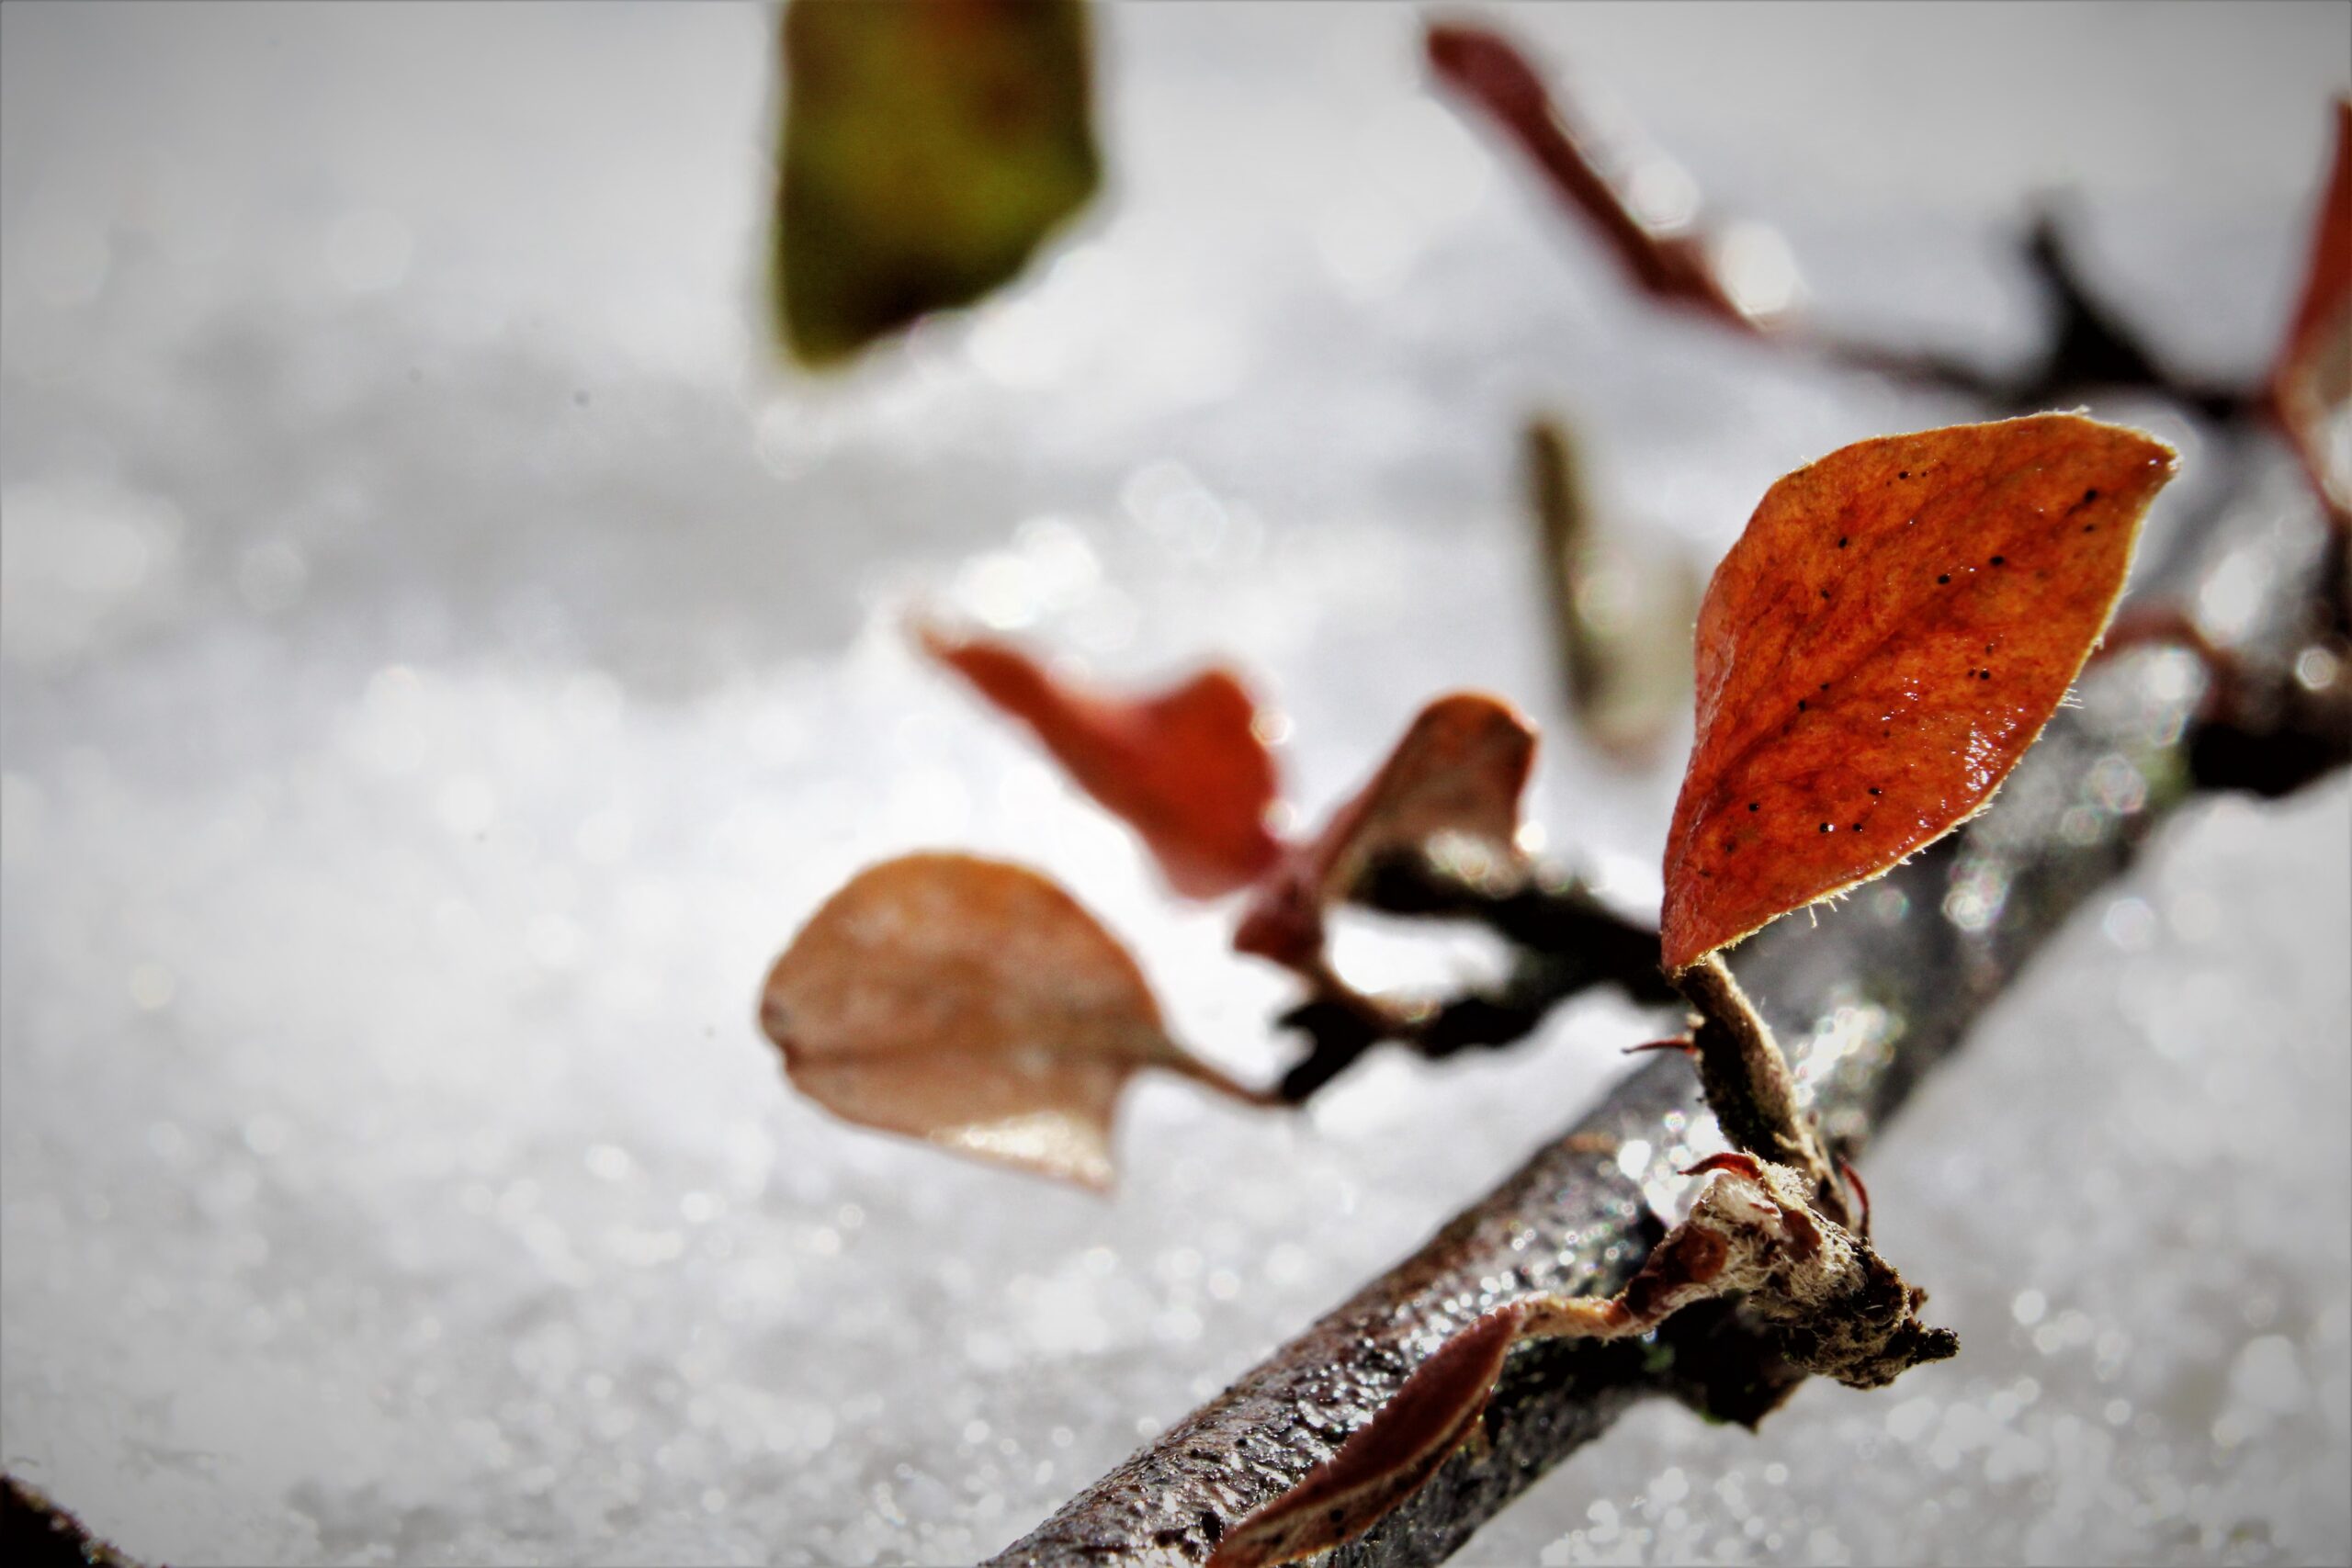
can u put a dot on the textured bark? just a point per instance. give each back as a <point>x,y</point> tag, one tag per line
<point>1866,1003</point>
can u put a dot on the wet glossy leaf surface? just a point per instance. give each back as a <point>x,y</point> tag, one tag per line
<point>2312,385</point>
<point>1892,631</point>
<point>1185,769</point>
<point>971,1003</point>
<point>1450,791</point>
<point>929,146</point>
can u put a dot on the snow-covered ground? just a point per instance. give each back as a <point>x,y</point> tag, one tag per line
<point>443,660</point>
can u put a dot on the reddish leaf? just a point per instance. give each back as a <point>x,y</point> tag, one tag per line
<point>1386,1460</point>
<point>1453,781</point>
<point>2311,386</point>
<point>1884,641</point>
<point>973,1004</point>
<point>1671,261</point>
<point>1185,769</point>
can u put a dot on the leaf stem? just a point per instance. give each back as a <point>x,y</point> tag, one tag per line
<point>1747,1082</point>
<point>1209,1076</point>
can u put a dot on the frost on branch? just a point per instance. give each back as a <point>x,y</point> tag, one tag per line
<point>973,1004</point>
<point>1893,629</point>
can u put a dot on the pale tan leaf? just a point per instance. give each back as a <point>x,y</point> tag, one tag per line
<point>973,1004</point>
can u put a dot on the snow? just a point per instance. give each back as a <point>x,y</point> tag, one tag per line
<point>441,661</point>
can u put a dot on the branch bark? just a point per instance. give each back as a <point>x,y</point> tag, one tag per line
<point>1868,1003</point>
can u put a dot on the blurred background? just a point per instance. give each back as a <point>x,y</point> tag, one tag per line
<point>445,653</point>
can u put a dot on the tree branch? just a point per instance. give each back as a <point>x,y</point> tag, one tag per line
<point>1868,1003</point>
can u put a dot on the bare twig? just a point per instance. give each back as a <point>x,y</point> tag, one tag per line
<point>1567,941</point>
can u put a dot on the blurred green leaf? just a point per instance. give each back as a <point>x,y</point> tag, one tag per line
<point>929,146</point>
<point>1622,609</point>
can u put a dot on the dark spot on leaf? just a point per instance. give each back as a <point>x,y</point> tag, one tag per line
<point>1857,827</point>
<point>2089,496</point>
<point>1799,705</point>
<point>1825,827</point>
<point>1841,541</point>
<point>1873,789</point>
<point>1751,805</point>
<point>1945,577</point>
<point>2000,560</point>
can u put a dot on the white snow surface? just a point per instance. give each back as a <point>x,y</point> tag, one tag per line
<point>444,658</point>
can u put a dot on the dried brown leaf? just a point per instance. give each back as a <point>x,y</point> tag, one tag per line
<point>973,1004</point>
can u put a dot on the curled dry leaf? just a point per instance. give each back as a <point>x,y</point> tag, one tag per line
<point>1833,1305</point>
<point>2311,386</point>
<point>973,1004</point>
<point>1185,769</point>
<point>1386,1460</point>
<point>1658,242</point>
<point>1889,635</point>
<point>1449,792</point>
<point>929,146</point>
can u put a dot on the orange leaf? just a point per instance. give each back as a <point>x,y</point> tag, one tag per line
<point>1895,627</point>
<point>2311,386</point>
<point>1386,1460</point>
<point>973,1004</point>
<point>1185,769</point>
<point>1456,775</point>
